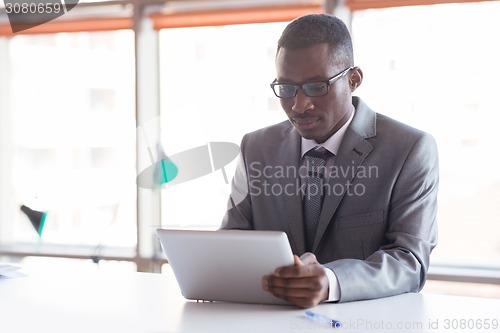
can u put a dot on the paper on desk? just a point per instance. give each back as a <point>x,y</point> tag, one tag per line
<point>10,271</point>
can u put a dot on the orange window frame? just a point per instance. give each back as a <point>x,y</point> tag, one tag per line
<point>373,4</point>
<point>55,26</point>
<point>213,17</point>
<point>230,16</point>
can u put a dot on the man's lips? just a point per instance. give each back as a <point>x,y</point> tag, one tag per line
<point>305,122</point>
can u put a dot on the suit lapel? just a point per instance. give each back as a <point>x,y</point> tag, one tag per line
<point>352,152</point>
<point>289,156</point>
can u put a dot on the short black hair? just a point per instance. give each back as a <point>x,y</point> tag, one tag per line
<point>312,29</point>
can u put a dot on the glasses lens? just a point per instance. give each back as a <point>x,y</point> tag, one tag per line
<point>285,90</point>
<point>315,89</point>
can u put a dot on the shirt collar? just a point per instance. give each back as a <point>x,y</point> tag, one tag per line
<point>332,144</point>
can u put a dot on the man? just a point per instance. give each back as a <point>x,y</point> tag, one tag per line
<point>378,179</point>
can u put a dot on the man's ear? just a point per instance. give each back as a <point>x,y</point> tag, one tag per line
<point>355,78</point>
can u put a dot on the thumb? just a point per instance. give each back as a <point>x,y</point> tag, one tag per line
<point>297,262</point>
<point>308,258</point>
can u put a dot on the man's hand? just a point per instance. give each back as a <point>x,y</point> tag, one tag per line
<point>304,284</point>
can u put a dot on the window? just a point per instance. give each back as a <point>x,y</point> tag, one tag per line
<point>214,87</point>
<point>70,139</point>
<point>436,68</point>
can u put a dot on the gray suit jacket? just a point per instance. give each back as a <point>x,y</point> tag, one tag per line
<point>378,222</point>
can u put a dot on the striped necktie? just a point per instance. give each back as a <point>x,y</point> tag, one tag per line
<point>315,162</point>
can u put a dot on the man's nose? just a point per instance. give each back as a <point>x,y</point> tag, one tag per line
<point>301,102</point>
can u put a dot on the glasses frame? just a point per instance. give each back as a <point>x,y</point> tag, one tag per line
<point>328,83</point>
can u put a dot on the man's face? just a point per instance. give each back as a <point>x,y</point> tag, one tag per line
<point>315,118</point>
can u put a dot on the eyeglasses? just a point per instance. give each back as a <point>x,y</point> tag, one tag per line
<point>310,89</point>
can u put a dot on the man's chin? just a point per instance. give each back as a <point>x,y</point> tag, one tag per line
<point>309,135</point>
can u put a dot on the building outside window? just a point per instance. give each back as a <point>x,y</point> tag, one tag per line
<point>71,138</point>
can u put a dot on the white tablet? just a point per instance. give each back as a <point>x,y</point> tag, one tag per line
<point>225,265</point>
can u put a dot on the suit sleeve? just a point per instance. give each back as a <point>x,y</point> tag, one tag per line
<point>401,265</point>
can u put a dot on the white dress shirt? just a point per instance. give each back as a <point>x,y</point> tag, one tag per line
<point>332,145</point>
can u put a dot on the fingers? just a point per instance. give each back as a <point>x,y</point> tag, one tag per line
<point>294,286</point>
<point>304,292</point>
<point>304,284</point>
<point>300,269</point>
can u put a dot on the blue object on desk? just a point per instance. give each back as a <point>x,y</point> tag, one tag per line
<point>323,319</point>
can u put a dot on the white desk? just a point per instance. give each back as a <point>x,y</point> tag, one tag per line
<point>143,302</point>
